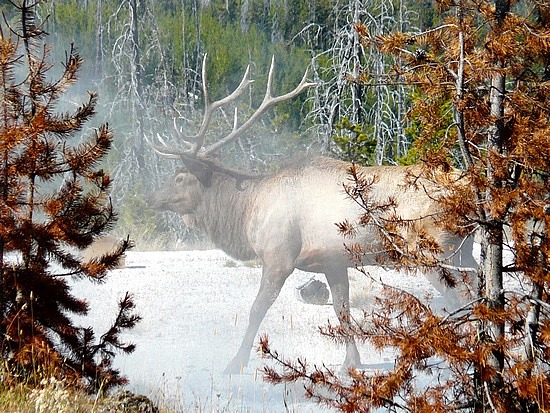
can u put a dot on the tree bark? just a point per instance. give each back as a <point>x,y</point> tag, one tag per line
<point>139,147</point>
<point>532,322</point>
<point>493,233</point>
<point>99,53</point>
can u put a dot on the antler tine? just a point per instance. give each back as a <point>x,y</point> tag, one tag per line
<point>165,150</point>
<point>267,102</point>
<point>209,107</point>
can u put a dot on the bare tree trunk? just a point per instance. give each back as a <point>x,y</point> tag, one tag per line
<point>532,322</point>
<point>458,114</point>
<point>198,60</point>
<point>245,7</point>
<point>356,98</point>
<point>136,76</point>
<point>98,68</point>
<point>183,50</point>
<point>493,233</point>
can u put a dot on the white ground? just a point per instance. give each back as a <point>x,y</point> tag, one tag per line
<point>195,307</point>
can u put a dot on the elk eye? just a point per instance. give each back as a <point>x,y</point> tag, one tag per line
<point>179,179</point>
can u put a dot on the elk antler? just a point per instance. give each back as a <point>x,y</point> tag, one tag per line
<point>193,144</point>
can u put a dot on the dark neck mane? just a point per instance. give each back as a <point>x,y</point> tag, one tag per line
<point>224,212</point>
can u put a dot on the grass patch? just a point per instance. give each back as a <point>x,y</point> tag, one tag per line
<point>53,396</point>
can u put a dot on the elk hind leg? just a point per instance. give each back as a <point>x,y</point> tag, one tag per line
<point>464,274</point>
<point>339,286</point>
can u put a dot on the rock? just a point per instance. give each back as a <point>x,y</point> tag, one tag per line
<point>313,292</point>
<point>125,401</point>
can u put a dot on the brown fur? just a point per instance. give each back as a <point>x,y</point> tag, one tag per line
<point>105,244</point>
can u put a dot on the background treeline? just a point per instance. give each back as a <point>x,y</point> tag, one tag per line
<point>147,58</point>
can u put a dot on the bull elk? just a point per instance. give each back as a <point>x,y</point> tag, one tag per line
<point>286,219</point>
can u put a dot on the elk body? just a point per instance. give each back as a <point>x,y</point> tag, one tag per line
<point>288,219</point>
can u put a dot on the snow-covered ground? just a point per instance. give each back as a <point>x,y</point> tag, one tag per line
<point>195,307</point>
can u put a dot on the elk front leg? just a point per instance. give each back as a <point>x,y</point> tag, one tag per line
<point>270,287</point>
<point>339,286</point>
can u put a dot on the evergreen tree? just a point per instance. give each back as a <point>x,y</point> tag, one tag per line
<point>54,202</point>
<point>491,60</point>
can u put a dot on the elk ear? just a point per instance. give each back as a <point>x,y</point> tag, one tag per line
<point>199,170</point>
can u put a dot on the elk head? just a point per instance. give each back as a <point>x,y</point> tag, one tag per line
<point>179,194</point>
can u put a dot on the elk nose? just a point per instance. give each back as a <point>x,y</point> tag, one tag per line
<point>153,201</point>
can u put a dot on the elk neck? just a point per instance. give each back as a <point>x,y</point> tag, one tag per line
<point>224,213</point>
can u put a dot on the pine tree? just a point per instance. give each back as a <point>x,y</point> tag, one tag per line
<point>53,203</point>
<point>491,60</point>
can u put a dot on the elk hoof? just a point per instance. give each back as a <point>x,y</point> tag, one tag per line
<point>236,366</point>
<point>353,359</point>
